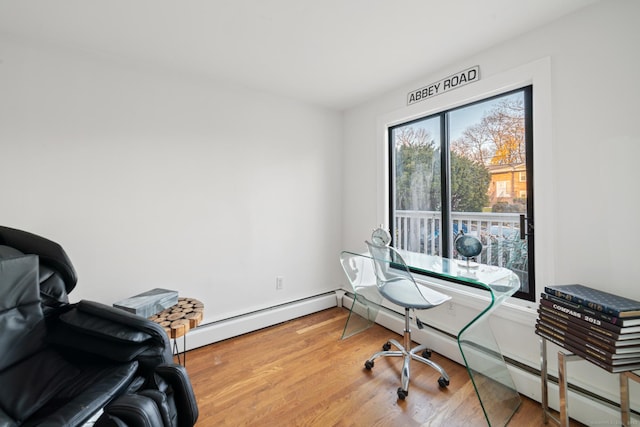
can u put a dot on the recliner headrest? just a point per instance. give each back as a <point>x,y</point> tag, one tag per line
<point>9,252</point>
<point>50,253</point>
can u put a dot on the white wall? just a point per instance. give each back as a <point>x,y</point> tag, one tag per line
<point>154,179</point>
<point>591,207</point>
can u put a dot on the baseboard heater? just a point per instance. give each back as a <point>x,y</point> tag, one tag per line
<point>209,333</point>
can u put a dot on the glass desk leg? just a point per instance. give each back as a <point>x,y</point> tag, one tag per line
<point>489,373</point>
<point>487,368</point>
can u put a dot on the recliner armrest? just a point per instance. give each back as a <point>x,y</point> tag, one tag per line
<point>174,402</point>
<point>105,331</point>
<point>184,397</point>
<point>131,410</point>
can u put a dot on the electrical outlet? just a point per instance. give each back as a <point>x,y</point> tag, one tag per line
<point>279,283</point>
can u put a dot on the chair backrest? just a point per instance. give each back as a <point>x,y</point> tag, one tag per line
<point>358,269</point>
<point>397,284</point>
<point>362,277</point>
<point>389,265</point>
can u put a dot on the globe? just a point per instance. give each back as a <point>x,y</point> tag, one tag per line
<point>468,246</point>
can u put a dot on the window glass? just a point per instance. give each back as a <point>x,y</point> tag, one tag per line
<point>418,194</point>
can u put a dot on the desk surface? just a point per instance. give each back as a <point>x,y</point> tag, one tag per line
<point>499,280</point>
<point>179,319</point>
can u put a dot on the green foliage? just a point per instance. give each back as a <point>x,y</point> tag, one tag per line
<point>418,180</point>
<point>508,207</point>
<point>418,177</point>
<point>469,183</point>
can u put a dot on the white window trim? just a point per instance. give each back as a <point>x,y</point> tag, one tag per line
<point>536,73</point>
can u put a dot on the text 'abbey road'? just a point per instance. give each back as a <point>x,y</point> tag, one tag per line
<point>448,83</point>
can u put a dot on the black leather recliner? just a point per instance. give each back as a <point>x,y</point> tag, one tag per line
<point>61,363</point>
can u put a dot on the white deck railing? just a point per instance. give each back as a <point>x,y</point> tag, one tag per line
<point>419,231</point>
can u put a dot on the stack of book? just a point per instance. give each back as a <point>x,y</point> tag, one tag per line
<point>598,326</point>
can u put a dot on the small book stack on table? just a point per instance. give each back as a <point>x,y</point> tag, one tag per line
<point>598,326</point>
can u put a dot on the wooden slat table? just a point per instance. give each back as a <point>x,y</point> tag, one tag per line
<point>178,320</point>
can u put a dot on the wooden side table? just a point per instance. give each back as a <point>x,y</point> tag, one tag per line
<point>178,320</point>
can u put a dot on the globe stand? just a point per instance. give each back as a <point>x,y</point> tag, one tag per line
<point>466,270</point>
<point>468,247</point>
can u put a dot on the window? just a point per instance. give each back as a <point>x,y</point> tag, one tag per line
<point>502,189</point>
<point>467,169</point>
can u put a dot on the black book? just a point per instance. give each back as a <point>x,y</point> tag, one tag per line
<point>608,344</point>
<point>566,308</point>
<point>610,354</point>
<point>606,366</point>
<point>597,300</point>
<point>585,327</point>
<point>630,321</point>
<point>586,333</point>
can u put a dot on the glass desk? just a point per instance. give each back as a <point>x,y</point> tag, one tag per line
<point>483,359</point>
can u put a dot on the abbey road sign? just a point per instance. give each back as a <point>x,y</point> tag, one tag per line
<point>454,81</point>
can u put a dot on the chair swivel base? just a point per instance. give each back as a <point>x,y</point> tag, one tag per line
<point>419,353</point>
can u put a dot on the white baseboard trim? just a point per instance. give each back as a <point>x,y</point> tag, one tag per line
<point>581,407</point>
<point>228,328</point>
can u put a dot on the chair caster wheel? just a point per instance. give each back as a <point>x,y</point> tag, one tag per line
<point>368,364</point>
<point>443,382</point>
<point>426,354</point>
<point>386,347</point>
<point>402,394</point>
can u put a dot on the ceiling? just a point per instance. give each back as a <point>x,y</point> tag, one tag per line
<point>334,53</point>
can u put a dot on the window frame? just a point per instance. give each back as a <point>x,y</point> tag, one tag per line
<point>537,74</point>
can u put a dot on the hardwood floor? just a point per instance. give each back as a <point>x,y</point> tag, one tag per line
<point>300,373</point>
